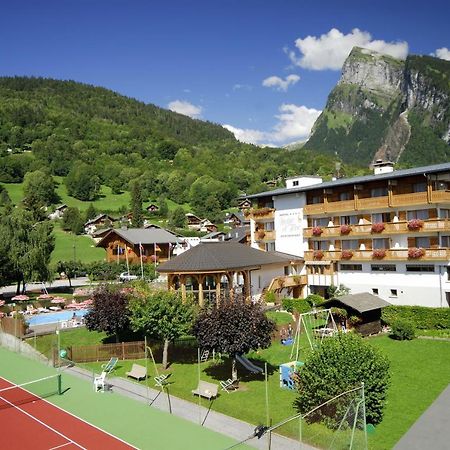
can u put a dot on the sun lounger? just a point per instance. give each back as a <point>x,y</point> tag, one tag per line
<point>207,390</point>
<point>138,372</point>
<point>229,385</point>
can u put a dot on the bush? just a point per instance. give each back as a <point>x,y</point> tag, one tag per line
<point>403,330</point>
<point>299,305</point>
<point>422,317</point>
<point>341,363</point>
<point>314,299</point>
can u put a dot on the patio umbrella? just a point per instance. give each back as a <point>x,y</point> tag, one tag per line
<point>45,297</point>
<point>20,298</point>
<point>58,300</point>
<point>72,306</point>
<point>89,301</point>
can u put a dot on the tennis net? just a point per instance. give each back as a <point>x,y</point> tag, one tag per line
<point>30,391</point>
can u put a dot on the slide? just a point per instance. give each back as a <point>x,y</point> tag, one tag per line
<point>248,365</point>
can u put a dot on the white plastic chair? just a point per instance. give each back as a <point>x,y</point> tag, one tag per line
<point>99,382</point>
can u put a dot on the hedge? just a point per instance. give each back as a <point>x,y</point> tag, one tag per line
<point>299,305</point>
<point>422,317</point>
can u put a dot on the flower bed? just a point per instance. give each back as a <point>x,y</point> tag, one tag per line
<point>415,252</point>
<point>415,224</point>
<point>379,253</point>
<point>345,229</point>
<point>318,254</point>
<point>378,227</point>
<point>317,231</point>
<point>346,254</point>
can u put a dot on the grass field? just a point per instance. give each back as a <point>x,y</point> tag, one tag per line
<point>414,364</point>
<point>134,422</point>
<point>70,247</point>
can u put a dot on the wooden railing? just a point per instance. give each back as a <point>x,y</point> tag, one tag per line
<point>260,214</point>
<point>430,225</point>
<point>413,198</point>
<point>281,282</point>
<point>431,254</point>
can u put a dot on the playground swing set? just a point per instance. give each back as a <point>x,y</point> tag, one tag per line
<point>315,326</point>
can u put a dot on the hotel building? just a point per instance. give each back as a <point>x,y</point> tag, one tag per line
<point>386,233</point>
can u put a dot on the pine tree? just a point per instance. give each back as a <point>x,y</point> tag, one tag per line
<point>136,204</point>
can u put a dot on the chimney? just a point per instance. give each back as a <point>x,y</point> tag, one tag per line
<point>380,166</point>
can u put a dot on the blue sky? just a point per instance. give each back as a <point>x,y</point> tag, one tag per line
<point>209,59</point>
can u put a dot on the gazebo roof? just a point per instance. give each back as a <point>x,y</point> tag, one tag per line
<point>222,256</point>
<point>362,302</point>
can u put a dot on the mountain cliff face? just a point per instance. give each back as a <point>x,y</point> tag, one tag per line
<point>386,108</point>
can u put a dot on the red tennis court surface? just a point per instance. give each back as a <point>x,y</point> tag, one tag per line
<point>35,424</point>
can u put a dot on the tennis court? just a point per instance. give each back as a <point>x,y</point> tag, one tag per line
<point>29,421</point>
<point>82,418</point>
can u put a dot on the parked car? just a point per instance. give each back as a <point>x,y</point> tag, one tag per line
<point>125,276</point>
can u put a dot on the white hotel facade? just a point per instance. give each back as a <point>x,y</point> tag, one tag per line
<point>386,233</point>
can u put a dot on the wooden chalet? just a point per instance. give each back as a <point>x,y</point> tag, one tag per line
<point>154,244</point>
<point>193,222</point>
<point>100,221</point>
<point>244,204</point>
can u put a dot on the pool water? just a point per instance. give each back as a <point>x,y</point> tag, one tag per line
<point>45,318</point>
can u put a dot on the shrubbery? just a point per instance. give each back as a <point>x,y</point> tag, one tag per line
<point>422,317</point>
<point>340,364</point>
<point>403,330</point>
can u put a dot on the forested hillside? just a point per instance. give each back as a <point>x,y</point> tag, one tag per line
<point>92,136</point>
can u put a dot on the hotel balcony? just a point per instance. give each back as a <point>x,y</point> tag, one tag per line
<point>401,227</point>
<point>370,203</point>
<point>259,214</point>
<point>288,281</point>
<point>429,254</point>
<point>263,235</point>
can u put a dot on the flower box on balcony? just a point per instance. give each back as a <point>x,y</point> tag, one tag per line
<point>345,229</point>
<point>259,212</point>
<point>346,254</point>
<point>260,234</point>
<point>415,224</point>
<point>318,254</point>
<point>379,253</point>
<point>317,231</point>
<point>378,227</point>
<point>415,252</point>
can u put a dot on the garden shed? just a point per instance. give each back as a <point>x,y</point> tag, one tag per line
<point>363,311</point>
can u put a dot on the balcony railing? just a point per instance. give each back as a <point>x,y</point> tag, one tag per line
<point>263,235</point>
<point>430,225</point>
<point>431,254</point>
<point>260,214</point>
<point>287,281</point>
<point>396,200</point>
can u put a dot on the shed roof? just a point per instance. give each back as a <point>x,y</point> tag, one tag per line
<point>219,256</point>
<point>362,302</point>
<point>144,236</point>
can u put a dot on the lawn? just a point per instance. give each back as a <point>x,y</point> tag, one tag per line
<point>70,247</point>
<point>407,398</point>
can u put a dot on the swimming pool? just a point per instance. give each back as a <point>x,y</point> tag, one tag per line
<point>45,318</point>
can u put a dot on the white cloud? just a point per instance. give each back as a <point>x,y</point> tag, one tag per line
<point>330,50</point>
<point>238,86</point>
<point>442,53</point>
<point>294,124</point>
<point>279,83</point>
<point>186,108</point>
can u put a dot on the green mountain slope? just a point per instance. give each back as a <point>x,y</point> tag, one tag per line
<point>389,109</point>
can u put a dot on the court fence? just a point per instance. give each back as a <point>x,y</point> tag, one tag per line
<point>180,350</point>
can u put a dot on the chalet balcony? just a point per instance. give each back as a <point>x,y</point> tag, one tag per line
<point>288,281</point>
<point>259,214</point>
<point>401,227</point>
<point>416,198</point>
<point>429,254</point>
<point>344,205</point>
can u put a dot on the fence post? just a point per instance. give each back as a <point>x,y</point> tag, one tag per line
<point>123,351</point>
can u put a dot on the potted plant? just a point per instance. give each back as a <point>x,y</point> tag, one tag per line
<point>260,234</point>
<point>415,224</point>
<point>346,254</point>
<point>317,231</point>
<point>318,254</point>
<point>345,229</point>
<point>378,227</point>
<point>378,253</point>
<point>415,252</point>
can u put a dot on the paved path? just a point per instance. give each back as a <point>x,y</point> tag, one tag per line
<point>80,281</point>
<point>431,431</point>
<point>213,420</point>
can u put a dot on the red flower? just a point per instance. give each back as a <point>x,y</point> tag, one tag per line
<point>345,229</point>
<point>378,227</point>
<point>379,253</point>
<point>346,254</point>
<point>318,254</point>
<point>416,252</point>
<point>415,224</point>
<point>317,231</point>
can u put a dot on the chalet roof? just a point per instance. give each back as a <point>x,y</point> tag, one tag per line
<point>144,236</point>
<point>214,235</point>
<point>61,207</point>
<point>361,302</point>
<point>436,168</point>
<point>237,234</point>
<point>99,217</point>
<point>220,256</point>
<point>101,231</point>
